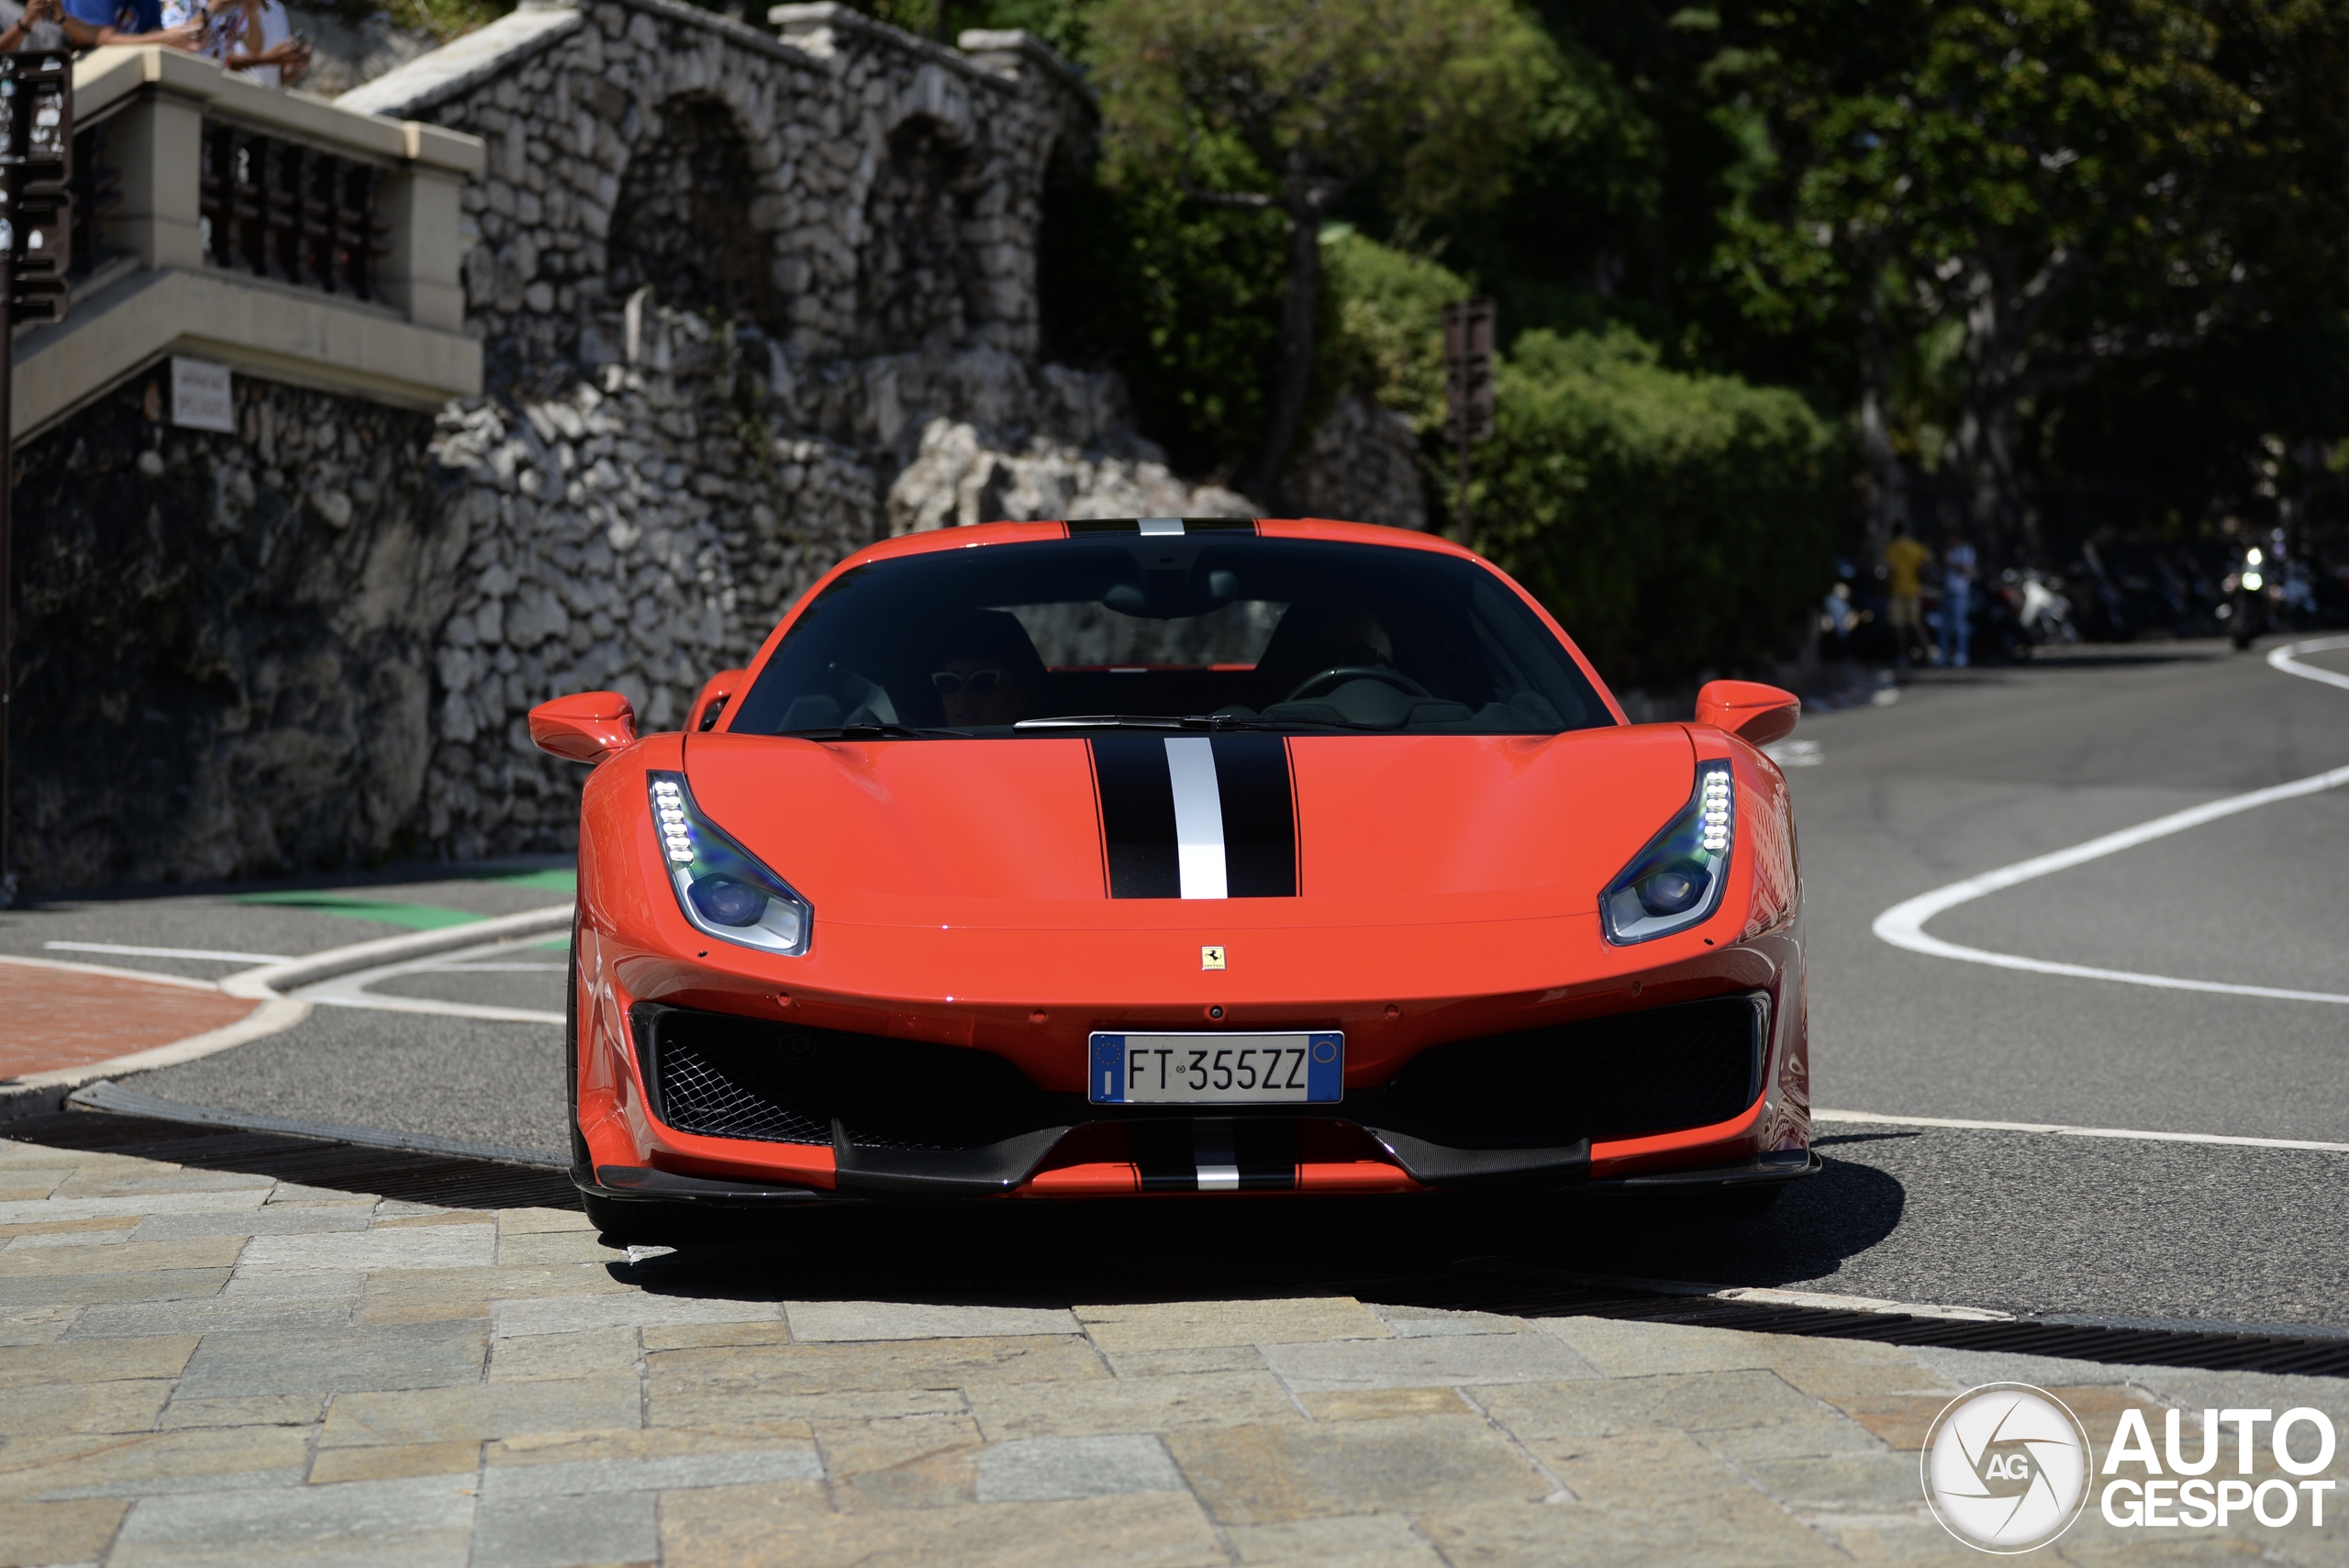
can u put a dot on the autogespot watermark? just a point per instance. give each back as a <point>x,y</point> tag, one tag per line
<point>2007,1468</point>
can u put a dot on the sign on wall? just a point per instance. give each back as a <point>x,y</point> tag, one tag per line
<point>201,396</point>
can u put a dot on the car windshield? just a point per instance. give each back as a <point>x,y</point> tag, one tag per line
<point>1219,629</point>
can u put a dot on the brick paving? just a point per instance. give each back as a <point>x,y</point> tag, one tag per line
<point>63,1018</point>
<point>208,1368</point>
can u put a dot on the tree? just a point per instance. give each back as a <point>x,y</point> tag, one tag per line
<point>1297,103</point>
<point>1673,523</point>
<point>2053,185</point>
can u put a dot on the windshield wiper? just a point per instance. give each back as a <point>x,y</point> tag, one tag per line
<point>874,732</point>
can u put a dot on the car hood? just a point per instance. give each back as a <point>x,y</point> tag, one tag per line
<point>1382,829</point>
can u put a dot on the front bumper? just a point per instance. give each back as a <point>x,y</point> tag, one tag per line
<point>752,1112</point>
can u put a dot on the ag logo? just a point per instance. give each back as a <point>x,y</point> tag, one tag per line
<point>2006,1467</point>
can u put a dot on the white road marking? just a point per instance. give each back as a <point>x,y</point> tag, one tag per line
<point>2286,660</point>
<point>153,976</point>
<point>1903,924</point>
<point>121,950</point>
<point>354,989</point>
<point>2065,1129</point>
<point>1767,1296</point>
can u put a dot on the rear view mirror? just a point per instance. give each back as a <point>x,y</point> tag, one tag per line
<point>1748,710</point>
<point>585,727</point>
<point>711,705</point>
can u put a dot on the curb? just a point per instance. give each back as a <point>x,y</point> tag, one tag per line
<point>108,1096</point>
<point>39,1093</point>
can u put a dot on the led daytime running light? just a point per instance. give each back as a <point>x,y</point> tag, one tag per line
<point>722,889</point>
<point>1678,880</point>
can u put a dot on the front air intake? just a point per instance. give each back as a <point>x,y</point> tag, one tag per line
<point>723,1076</point>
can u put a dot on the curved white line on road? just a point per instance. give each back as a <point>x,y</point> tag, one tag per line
<point>1903,924</point>
<point>2287,659</point>
<point>353,989</point>
<point>2066,1129</point>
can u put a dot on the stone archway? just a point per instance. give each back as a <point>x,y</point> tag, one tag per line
<point>917,285</point>
<point>683,221</point>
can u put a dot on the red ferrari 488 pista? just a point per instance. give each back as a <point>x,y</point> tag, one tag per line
<point>1092,859</point>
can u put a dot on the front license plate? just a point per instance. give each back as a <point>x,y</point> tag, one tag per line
<point>1218,1069</point>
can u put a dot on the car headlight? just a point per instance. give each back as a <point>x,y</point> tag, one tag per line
<point>720,887</point>
<point>1676,882</point>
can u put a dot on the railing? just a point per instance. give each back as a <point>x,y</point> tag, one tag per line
<point>279,235</point>
<point>278,210</point>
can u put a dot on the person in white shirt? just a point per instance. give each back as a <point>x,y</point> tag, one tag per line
<point>251,37</point>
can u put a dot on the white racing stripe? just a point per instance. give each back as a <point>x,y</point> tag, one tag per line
<point>1903,924</point>
<point>2066,1129</point>
<point>1198,817</point>
<point>1160,525</point>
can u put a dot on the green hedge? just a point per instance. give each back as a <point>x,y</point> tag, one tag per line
<point>1673,523</point>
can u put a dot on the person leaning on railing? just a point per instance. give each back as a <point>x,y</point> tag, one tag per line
<point>33,26</point>
<point>254,36</point>
<point>85,23</point>
<point>225,33</point>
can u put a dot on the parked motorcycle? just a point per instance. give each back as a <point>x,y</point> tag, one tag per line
<point>2025,611</point>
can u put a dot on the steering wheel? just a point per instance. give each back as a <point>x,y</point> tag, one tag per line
<point>1330,680</point>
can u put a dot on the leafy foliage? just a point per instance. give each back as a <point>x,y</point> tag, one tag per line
<point>1673,523</point>
<point>1287,106</point>
<point>2060,184</point>
<point>1385,337</point>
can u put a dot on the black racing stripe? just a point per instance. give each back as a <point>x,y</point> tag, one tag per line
<point>1137,816</point>
<point>1268,1153</point>
<point>1259,816</point>
<point>1162,1152</point>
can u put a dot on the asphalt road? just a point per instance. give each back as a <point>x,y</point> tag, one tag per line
<point>1966,771</point>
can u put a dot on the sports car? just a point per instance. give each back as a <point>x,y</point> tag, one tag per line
<point>1164,857</point>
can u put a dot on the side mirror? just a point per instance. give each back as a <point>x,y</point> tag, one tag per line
<point>1748,710</point>
<point>711,705</point>
<point>585,727</point>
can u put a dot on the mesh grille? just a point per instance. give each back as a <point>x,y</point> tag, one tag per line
<point>723,1076</point>
<point>1626,1076</point>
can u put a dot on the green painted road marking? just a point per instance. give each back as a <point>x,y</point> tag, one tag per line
<point>415,916</point>
<point>556,879</point>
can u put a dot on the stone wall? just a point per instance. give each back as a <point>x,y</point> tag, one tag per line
<point>748,302</point>
<point>751,303</point>
<point>222,640</point>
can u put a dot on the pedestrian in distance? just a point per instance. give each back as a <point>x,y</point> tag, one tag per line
<point>1957,599</point>
<point>1904,563</point>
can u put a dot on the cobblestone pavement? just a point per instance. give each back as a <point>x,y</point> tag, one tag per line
<point>201,1367</point>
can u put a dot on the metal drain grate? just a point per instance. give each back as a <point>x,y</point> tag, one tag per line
<point>449,1182</point>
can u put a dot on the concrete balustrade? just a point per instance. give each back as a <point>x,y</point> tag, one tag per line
<point>155,293</point>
